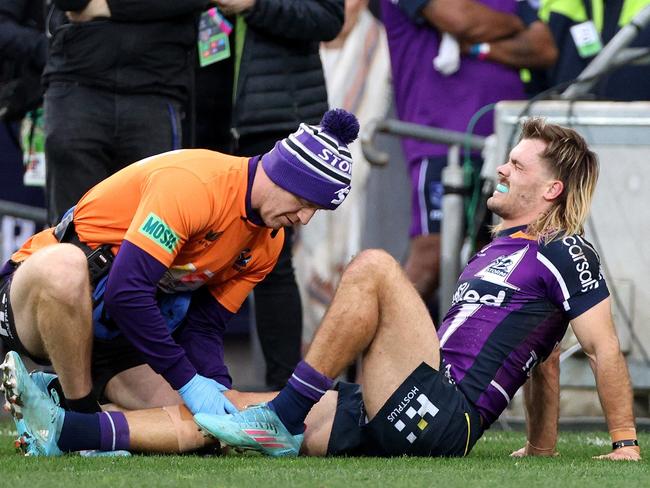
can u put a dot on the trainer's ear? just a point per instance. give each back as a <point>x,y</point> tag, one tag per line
<point>554,190</point>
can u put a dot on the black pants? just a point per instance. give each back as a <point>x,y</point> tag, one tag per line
<point>278,309</point>
<point>92,133</point>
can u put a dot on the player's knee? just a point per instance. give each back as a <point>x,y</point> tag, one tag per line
<point>373,263</point>
<point>63,273</point>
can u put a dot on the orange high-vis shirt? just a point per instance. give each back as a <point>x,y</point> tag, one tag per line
<point>187,209</point>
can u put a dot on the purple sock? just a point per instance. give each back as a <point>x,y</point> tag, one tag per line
<point>305,387</point>
<point>114,432</point>
<point>106,431</point>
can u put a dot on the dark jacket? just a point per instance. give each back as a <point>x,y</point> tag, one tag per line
<point>147,46</point>
<point>23,50</point>
<point>280,81</point>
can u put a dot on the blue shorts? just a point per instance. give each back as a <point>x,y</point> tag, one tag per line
<point>427,191</point>
<point>426,416</point>
<point>426,195</point>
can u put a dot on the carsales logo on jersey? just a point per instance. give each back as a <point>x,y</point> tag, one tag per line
<point>465,295</point>
<point>585,275</point>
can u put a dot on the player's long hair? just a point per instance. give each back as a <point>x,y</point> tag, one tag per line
<point>574,164</point>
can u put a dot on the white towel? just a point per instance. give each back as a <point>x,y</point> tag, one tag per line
<point>447,61</point>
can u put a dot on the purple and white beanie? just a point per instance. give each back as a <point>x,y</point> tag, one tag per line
<point>314,162</point>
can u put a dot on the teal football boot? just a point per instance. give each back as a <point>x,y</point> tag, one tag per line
<point>257,428</point>
<point>42,380</point>
<point>38,419</point>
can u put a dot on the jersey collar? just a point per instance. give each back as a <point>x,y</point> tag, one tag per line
<point>520,230</point>
<point>251,215</point>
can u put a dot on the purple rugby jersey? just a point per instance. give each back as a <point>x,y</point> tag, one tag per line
<point>513,303</point>
<point>425,96</point>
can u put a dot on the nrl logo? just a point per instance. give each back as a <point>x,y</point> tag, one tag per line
<point>501,268</point>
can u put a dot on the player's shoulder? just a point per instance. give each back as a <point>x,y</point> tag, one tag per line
<point>570,251</point>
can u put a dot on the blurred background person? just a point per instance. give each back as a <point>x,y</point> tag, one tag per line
<point>357,73</point>
<point>444,76</point>
<point>117,78</point>
<point>270,81</point>
<point>23,53</point>
<point>580,31</point>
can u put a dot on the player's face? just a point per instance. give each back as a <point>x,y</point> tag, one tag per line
<point>284,209</point>
<point>523,184</point>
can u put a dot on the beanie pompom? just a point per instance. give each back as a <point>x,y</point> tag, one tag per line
<point>341,124</point>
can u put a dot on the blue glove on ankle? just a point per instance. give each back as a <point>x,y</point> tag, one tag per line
<point>205,395</point>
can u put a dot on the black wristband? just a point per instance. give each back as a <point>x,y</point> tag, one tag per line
<point>624,443</point>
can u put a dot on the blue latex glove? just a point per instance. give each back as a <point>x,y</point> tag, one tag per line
<point>204,395</point>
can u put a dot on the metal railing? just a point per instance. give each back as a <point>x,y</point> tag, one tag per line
<point>37,214</point>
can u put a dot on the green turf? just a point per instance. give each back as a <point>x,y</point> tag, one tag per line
<point>488,465</point>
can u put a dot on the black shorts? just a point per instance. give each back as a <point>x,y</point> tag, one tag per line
<point>109,357</point>
<point>8,332</point>
<point>426,416</point>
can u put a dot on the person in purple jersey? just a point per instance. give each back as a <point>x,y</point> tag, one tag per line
<point>428,393</point>
<point>437,88</point>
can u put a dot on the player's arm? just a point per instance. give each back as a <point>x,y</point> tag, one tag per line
<point>467,20</point>
<point>595,331</point>
<point>533,47</point>
<point>542,406</point>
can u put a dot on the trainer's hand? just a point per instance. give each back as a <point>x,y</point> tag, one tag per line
<point>205,395</point>
<point>530,450</point>
<point>627,453</point>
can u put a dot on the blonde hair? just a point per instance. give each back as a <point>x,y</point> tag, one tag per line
<point>569,160</point>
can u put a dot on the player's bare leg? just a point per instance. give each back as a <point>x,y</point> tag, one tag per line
<point>172,429</point>
<point>376,311</point>
<point>51,301</point>
<point>318,425</point>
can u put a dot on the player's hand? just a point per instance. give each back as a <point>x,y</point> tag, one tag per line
<point>530,450</point>
<point>627,453</point>
<point>205,395</point>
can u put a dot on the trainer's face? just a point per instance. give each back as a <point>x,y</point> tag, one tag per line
<point>525,186</point>
<point>284,209</point>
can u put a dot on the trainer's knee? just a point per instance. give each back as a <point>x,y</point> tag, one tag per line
<point>62,273</point>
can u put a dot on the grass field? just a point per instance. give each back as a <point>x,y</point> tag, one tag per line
<point>488,465</point>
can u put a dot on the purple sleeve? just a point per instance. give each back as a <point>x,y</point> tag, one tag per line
<point>130,300</point>
<point>202,336</point>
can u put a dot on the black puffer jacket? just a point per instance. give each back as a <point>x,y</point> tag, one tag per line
<point>280,82</point>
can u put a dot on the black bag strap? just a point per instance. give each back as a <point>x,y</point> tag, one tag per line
<point>99,259</point>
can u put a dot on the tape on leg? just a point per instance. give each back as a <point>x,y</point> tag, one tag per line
<point>187,433</point>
